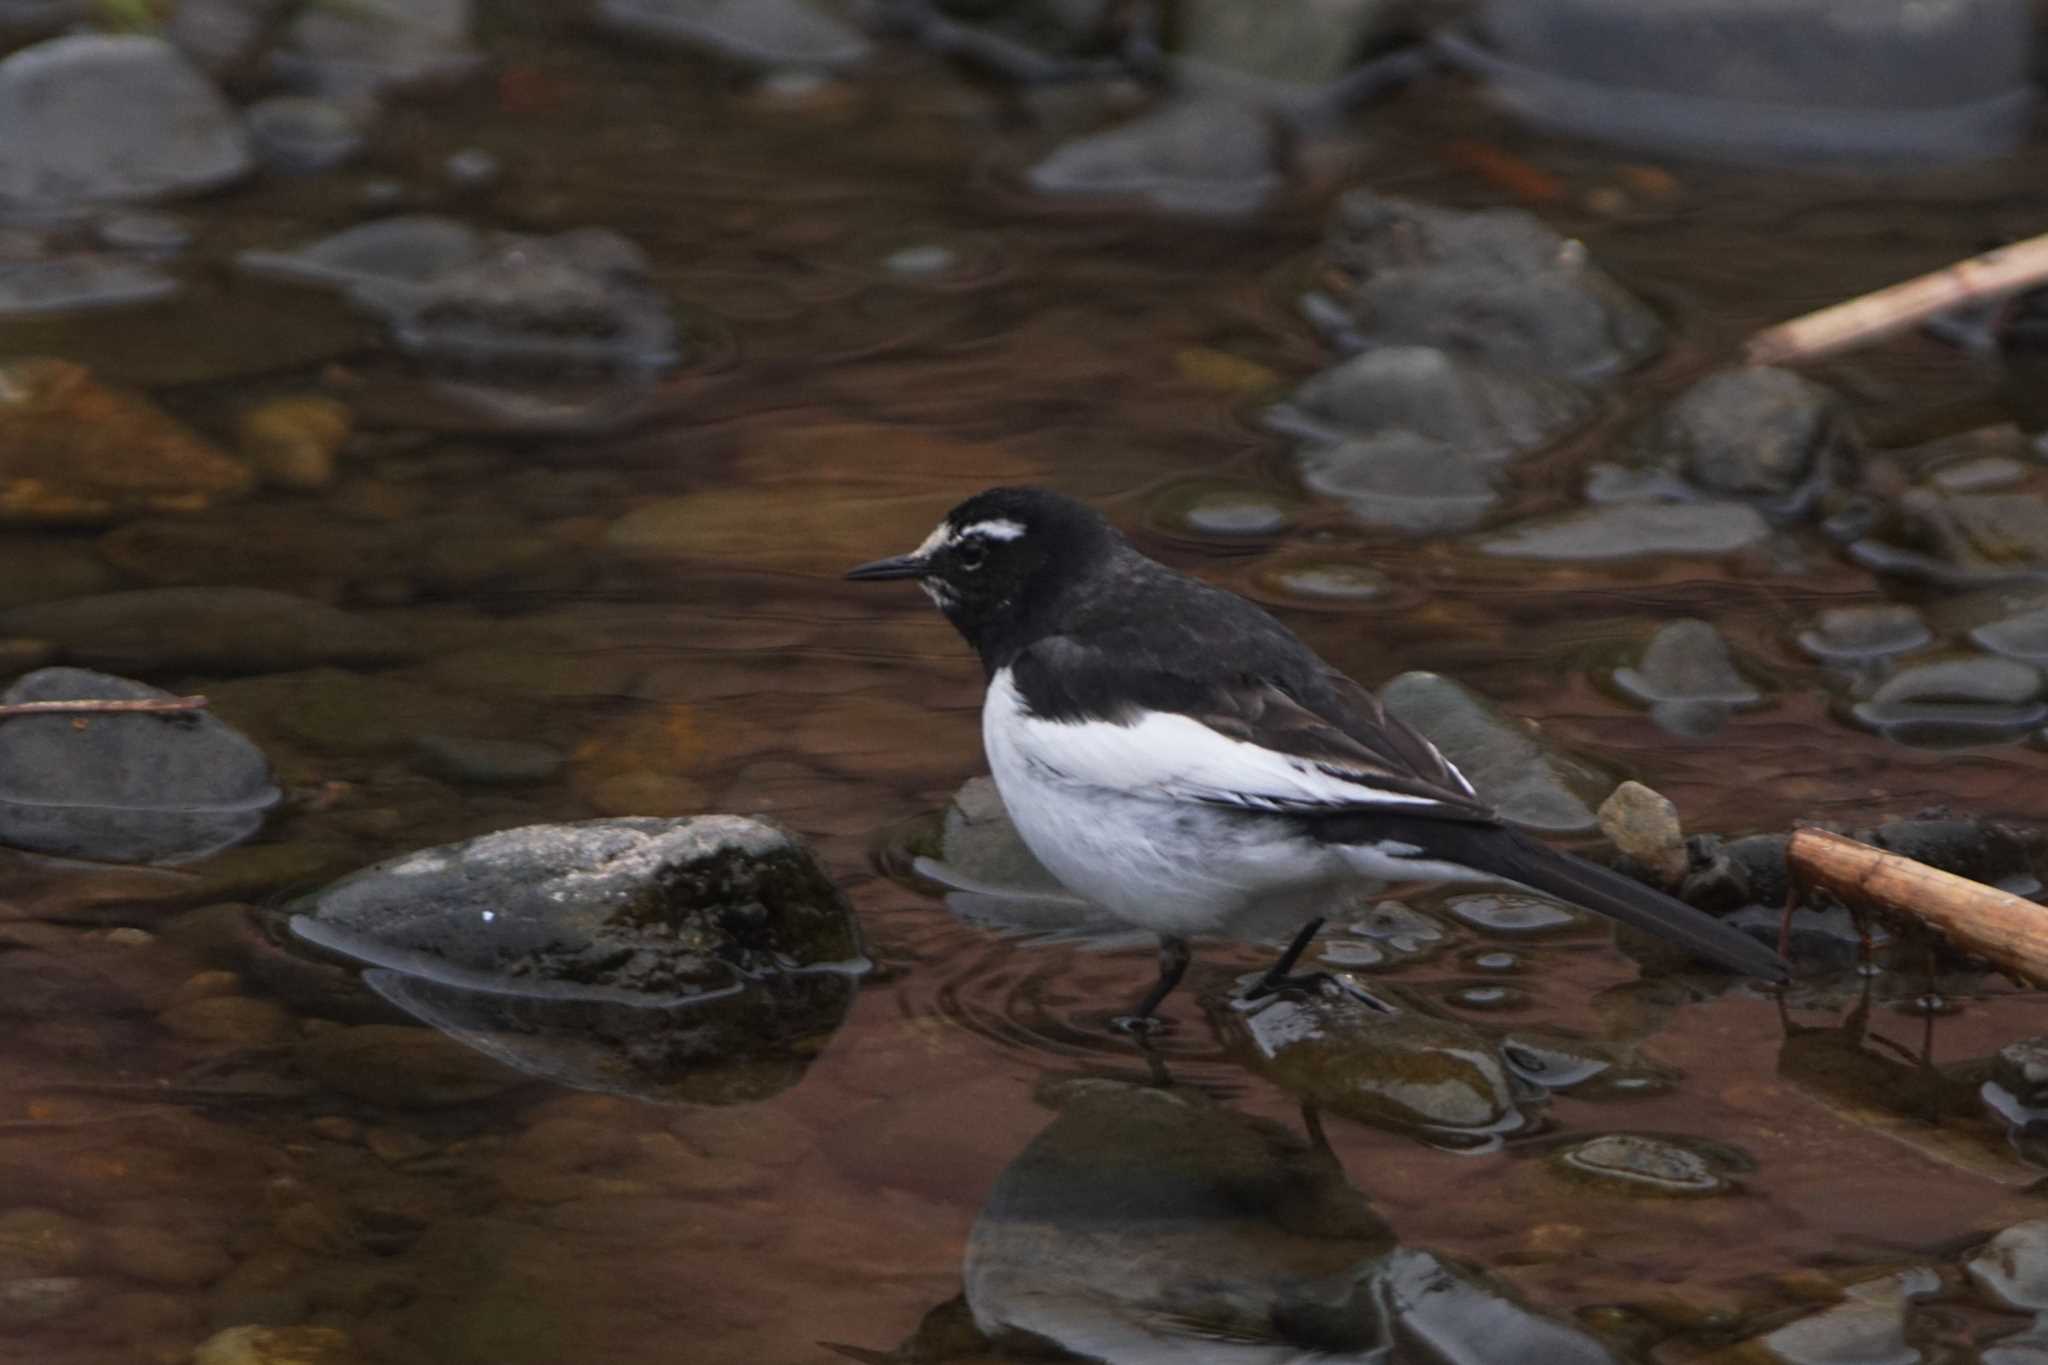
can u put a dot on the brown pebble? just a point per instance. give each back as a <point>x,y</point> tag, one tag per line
<point>158,1255</point>
<point>201,985</point>
<point>335,1128</point>
<point>395,1145</point>
<point>253,1345</point>
<point>233,1019</point>
<point>291,442</point>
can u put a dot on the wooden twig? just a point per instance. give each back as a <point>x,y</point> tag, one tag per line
<point>153,706</point>
<point>1976,918</point>
<point>1893,309</point>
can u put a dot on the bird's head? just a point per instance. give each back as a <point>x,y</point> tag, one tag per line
<point>999,556</point>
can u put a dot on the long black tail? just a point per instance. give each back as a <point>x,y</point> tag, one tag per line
<point>1640,907</point>
<point>1513,856</point>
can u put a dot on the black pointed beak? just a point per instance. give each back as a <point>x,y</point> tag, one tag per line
<point>902,566</point>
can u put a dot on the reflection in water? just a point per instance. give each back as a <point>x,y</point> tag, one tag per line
<point>733,1049</point>
<point>1882,1086</point>
<point>1151,1224</point>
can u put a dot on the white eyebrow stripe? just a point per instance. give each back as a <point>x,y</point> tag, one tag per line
<point>933,541</point>
<point>1000,528</point>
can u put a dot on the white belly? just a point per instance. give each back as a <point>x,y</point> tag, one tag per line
<point>1173,867</point>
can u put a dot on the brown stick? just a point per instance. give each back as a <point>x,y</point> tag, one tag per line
<point>1977,918</point>
<point>1893,309</point>
<point>102,707</point>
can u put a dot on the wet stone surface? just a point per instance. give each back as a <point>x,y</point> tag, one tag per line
<point>634,911</point>
<point>125,788</point>
<point>1526,780</point>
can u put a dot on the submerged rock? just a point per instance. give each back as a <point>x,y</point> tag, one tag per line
<point>1482,413</point>
<point>74,452</point>
<point>1525,779</point>
<point>1193,156</point>
<point>1301,45</point>
<point>133,788</point>
<point>204,630</point>
<point>1688,679</point>
<point>78,282</point>
<point>1632,530</point>
<point>1496,285</point>
<point>408,247</point>
<point>2012,1269</point>
<point>630,911</point>
<point>93,119</point>
<point>1767,436</point>
<point>766,33</point>
<point>1867,1328</point>
<point>303,134</point>
<point>1401,481</point>
<point>574,305</point>
<point>1380,1063</point>
<point>1862,634</point>
<point>1513,914</point>
<point>1966,699</point>
<point>371,45</point>
<point>1451,1314</point>
<point>1638,1164</point>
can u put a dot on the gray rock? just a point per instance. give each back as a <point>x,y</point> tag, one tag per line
<point>1379,1062</point>
<point>1522,777</point>
<point>632,911</point>
<point>220,34</point>
<point>1590,1068</point>
<point>1496,286</point>
<point>1204,157</point>
<point>1513,914</point>
<point>159,236</point>
<point>409,248</point>
<point>764,33</point>
<point>1867,1328</point>
<point>488,762</point>
<point>95,119</point>
<point>1643,825</point>
<point>204,630</point>
<point>574,304</point>
<point>78,282</point>
<point>1860,634</point>
<point>2022,636</point>
<point>2022,1069</point>
<point>1456,1315</point>
<point>1633,530</point>
<point>1400,481</point>
<point>131,788</point>
<point>372,45</point>
<point>1642,1165</point>
<point>1978,536</point>
<point>1483,413</point>
<point>303,134</point>
<point>1764,435</point>
<point>1960,699</point>
<point>2012,1269</point>
<point>1287,43</point>
<point>1688,679</point>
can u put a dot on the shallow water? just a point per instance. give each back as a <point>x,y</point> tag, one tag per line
<point>662,604</point>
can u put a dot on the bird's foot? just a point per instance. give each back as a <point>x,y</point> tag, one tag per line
<point>1141,1025</point>
<point>1340,985</point>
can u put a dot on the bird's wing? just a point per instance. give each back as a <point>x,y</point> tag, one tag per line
<point>1230,741</point>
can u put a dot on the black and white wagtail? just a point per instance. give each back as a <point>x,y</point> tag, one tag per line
<point>1174,754</point>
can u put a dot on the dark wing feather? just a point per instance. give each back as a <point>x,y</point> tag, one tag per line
<point>1322,719</point>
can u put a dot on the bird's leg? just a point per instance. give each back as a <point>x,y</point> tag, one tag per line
<point>1279,977</point>
<point>1173,964</point>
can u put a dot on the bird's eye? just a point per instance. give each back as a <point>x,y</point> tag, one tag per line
<point>971,556</point>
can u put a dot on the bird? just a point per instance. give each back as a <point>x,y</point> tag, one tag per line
<point>1174,754</point>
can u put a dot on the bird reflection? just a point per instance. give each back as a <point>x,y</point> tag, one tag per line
<point>1150,1224</point>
